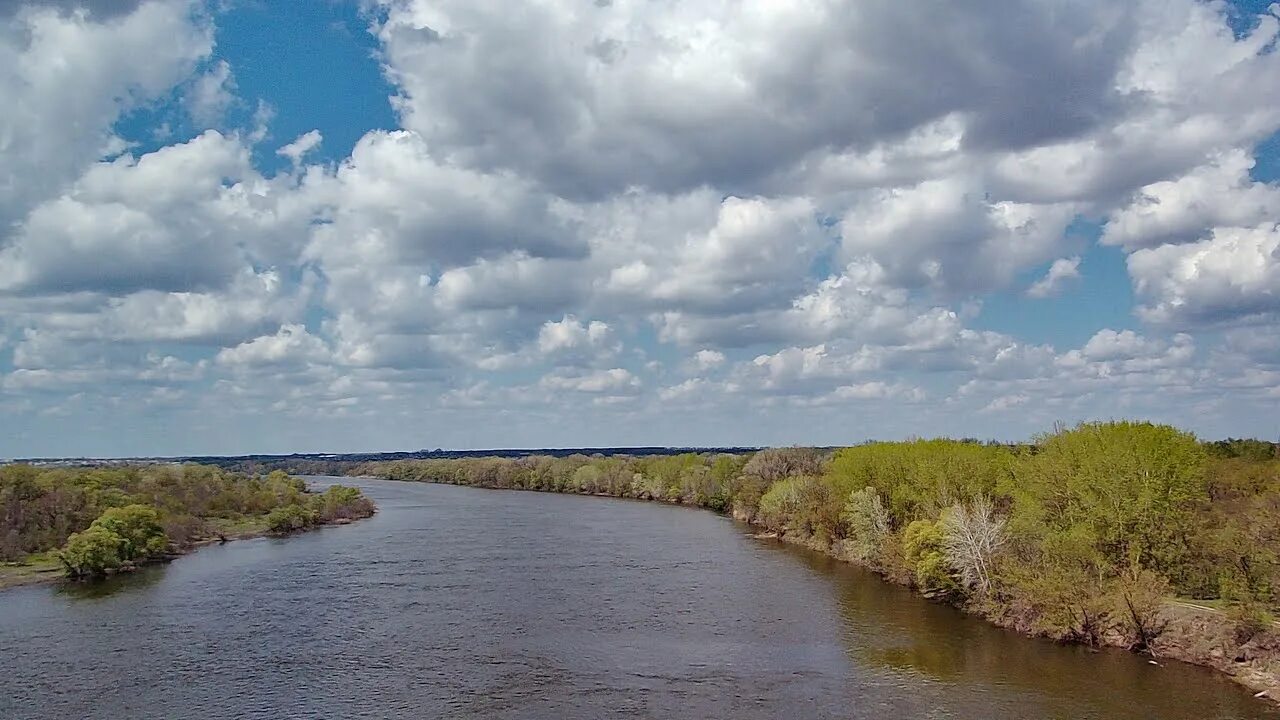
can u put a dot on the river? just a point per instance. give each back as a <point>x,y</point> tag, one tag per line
<point>464,603</point>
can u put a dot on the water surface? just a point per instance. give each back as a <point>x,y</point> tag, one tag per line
<point>465,603</point>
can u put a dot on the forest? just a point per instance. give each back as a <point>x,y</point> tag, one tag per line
<point>91,521</point>
<point>1083,534</point>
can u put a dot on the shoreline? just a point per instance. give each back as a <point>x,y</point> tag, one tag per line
<point>1194,635</point>
<point>14,576</point>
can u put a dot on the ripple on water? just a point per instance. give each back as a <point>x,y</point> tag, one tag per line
<point>462,603</point>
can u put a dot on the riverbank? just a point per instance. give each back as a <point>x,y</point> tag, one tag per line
<point>1188,634</point>
<point>1192,634</point>
<point>44,569</point>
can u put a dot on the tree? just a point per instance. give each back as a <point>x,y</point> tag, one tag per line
<point>92,553</point>
<point>774,464</point>
<point>972,535</point>
<point>1116,491</point>
<point>290,518</point>
<point>922,546</point>
<point>139,528</point>
<point>867,524</point>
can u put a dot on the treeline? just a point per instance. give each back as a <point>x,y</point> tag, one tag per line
<point>96,520</point>
<point>1082,534</point>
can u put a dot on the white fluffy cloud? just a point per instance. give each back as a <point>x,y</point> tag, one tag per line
<point>1062,271</point>
<point>67,77</point>
<point>1232,276</point>
<point>749,211</point>
<point>1176,211</point>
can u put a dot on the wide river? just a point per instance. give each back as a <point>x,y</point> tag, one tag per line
<point>463,603</point>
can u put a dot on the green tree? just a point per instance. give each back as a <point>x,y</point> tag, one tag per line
<point>923,549</point>
<point>138,526</point>
<point>290,518</point>
<point>1121,493</point>
<point>92,553</point>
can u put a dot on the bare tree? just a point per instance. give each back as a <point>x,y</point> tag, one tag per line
<point>773,464</point>
<point>972,536</point>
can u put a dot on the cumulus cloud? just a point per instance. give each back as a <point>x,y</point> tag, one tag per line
<point>615,381</point>
<point>1219,194</point>
<point>185,217</point>
<point>301,146</point>
<point>601,89</point>
<point>1062,271</point>
<point>67,77</point>
<point>598,210</point>
<point>211,94</point>
<point>1231,276</point>
<point>290,345</point>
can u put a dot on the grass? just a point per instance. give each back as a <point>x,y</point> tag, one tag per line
<point>240,527</point>
<point>36,568</point>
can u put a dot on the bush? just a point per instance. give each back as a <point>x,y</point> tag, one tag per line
<point>339,502</point>
<point>92,553</point>
<point>290,518</point>
<point>138,526</point>
<point>922,549</point>
<point>867,525</point>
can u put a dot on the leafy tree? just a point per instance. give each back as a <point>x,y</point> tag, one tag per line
<point>290,518</point>
<point>92,553</point>
<point>867,525</point>
<point>923,549</point>
<point>138,527</point>
<point>1115,491</point>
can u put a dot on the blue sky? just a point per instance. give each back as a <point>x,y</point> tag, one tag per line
<point>259,226</point>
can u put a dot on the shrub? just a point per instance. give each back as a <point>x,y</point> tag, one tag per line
<point>867,525</point>
<point>922,549</point>
<point>92,553</point>
<point>290,518</point>
<point>138,526</point>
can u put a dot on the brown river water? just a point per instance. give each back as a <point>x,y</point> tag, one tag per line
<point>465,603</point>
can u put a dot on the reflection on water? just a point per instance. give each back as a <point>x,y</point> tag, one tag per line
<point>135,581</point>
<point>463,603</point>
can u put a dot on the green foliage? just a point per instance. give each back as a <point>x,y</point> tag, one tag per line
<point>802,506</point>
<point>1113,494</point>
<point>92,553</point>
<point>339,502</point>
<point>867,525</point>
<point>922,549</point>
<point>918,479</point>
<point>139,529</point>
<point>1244,449</point>
<point>290,518</point>
<point>146,508</point>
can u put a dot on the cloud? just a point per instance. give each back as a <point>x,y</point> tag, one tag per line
<point>947,233</point>
<point>291,344</point>
<point>1062,271</point>
<point>301,146</point>
<point>708,359</point>
<point>1219,194</point>
<point>601,90</point>
<point>750,215</point>
<point>66,79</point>
<point>616,381</point>
<point>210,95</point>
<point>1231,276</point>
<point>186,217</point>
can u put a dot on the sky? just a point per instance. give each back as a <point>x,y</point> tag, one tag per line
<point>242,226</point>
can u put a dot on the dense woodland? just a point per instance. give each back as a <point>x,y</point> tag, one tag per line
<point>97,520</point>
<point>1082,534</point>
